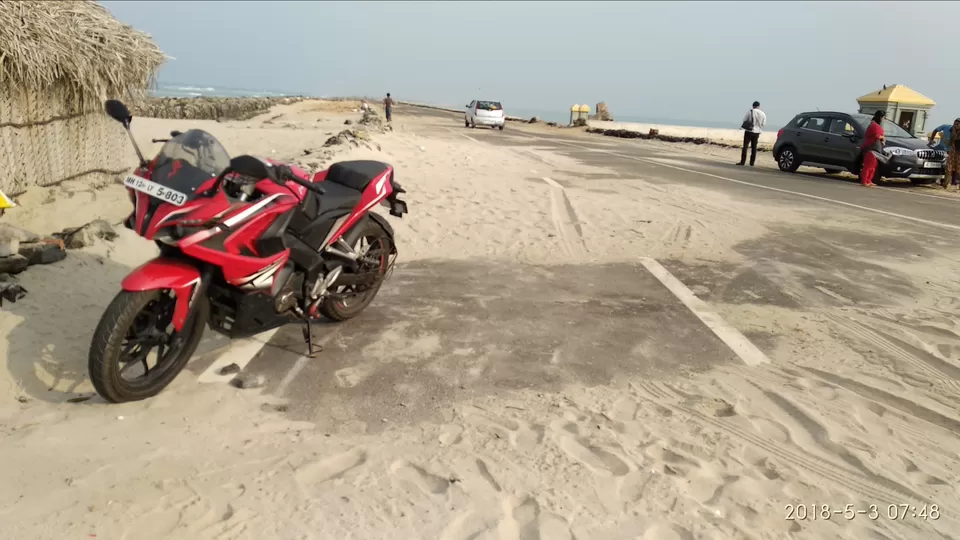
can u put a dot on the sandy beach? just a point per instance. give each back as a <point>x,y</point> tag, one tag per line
<point>527,373</point>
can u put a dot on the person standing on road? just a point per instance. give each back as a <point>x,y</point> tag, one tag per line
<point>950,141</point>
<point>752,126</point>
<point>388,106</point>
<point>871,147</point>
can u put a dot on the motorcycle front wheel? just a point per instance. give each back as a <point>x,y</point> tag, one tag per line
<point>135,352</point>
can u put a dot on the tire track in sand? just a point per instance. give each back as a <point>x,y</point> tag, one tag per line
<point>935,368</point>
<point>565,221</point>
<point>829,472</point>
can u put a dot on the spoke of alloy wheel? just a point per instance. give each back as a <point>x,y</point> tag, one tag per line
<point>129,348</point>
<point>159,352</point>
<point>141,358</point>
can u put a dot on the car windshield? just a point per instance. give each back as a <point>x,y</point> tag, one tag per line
<point>188,160</point>
<point>889,128</point>
<point>489,106</point>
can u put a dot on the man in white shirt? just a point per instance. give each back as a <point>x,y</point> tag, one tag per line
<point>752,126</point>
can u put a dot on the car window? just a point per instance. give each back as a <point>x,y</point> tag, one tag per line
<point>840,126</point>
<point>889,128</point>
<point>816,123</point>
<point>489,105</point>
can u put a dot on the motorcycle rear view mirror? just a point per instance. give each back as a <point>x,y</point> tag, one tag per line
<point>118,111</point>
<point>253,167</point>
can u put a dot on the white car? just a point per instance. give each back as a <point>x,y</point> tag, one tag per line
<point>484,113</point>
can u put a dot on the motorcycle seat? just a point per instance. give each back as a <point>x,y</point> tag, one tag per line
<point>336,197</point>
<point>355,174</point>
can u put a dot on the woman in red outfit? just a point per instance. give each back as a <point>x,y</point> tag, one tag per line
<point>873,143</point>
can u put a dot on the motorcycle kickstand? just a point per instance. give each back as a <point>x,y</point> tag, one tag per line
<point>308,335</point>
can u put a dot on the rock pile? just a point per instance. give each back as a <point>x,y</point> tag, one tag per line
<point>314,158</point>
<point>208,108</point>
<point>21,249</point>
<point>371,119</point>
<point>86,235</point>
<point>655,135</point>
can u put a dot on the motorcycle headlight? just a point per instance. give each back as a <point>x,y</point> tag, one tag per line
<point>894,151</point>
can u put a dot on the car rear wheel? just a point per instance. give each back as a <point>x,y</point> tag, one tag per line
<point>788,160</point>
<point>501,127</point>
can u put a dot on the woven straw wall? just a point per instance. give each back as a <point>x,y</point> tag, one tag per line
<point>47,138</point>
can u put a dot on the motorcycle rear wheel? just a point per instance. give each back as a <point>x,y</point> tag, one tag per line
<point>133,325</point>
<point>377,246</point>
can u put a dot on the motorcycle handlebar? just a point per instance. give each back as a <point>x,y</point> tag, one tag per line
<point>284,174</point>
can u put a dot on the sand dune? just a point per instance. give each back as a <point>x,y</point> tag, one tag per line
<point>858,406</point>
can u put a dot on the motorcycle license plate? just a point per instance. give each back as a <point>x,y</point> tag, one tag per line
<point>155,190</point>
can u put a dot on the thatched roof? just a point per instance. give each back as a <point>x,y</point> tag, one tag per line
<point>77,41</point>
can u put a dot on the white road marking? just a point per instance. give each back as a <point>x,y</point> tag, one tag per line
<point>301,363</point>
<point>451,130</point>
<point>769,188</point>
<point>291,375</point>
<point>240,353</point>
<point>738,343</point>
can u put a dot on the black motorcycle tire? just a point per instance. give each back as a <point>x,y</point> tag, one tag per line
<point>333,308</point>
<point>105,348</point>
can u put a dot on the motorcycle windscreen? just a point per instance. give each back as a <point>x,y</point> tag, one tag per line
<point>188,160</point>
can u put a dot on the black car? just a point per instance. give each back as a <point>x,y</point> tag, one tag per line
<point>832,140</point>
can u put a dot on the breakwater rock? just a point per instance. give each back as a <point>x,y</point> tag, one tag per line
<point>209,108</point>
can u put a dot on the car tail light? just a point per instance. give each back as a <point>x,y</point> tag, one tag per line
<point>779,133</point>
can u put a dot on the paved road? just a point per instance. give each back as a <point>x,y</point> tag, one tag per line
<point>912,205</point>
<point>446,331</point>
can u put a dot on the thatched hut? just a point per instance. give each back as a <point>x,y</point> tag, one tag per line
<point>59,61</point>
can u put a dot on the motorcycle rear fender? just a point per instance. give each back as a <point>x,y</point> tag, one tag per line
<point>166,273</point>
<point>352,235</point>
<point>383,223</point>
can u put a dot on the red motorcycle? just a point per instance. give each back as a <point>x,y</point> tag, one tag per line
<point>246,245</point>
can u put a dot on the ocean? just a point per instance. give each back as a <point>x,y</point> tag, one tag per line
<point>561,117</point>
<point>187,90</point>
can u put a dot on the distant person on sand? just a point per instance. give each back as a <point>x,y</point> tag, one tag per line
<point>364,106</point>
<point>871,148</point>
<point>388,106</point>
<point>752,126</point>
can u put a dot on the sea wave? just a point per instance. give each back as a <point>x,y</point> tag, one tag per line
<point>186,90</point>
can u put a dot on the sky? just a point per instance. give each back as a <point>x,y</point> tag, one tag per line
<point>674,60</point>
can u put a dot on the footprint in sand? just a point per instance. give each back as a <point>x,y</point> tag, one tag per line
<point>425,482</point>
<point>349,377</point>
<point>667,531</point>
<point>523,436</point>
<point>522,522</point>
<point>329,468</point>
<point>450,434</point>
<point>485,474</point>
<point>554,527</point>
<point>598,460</point>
